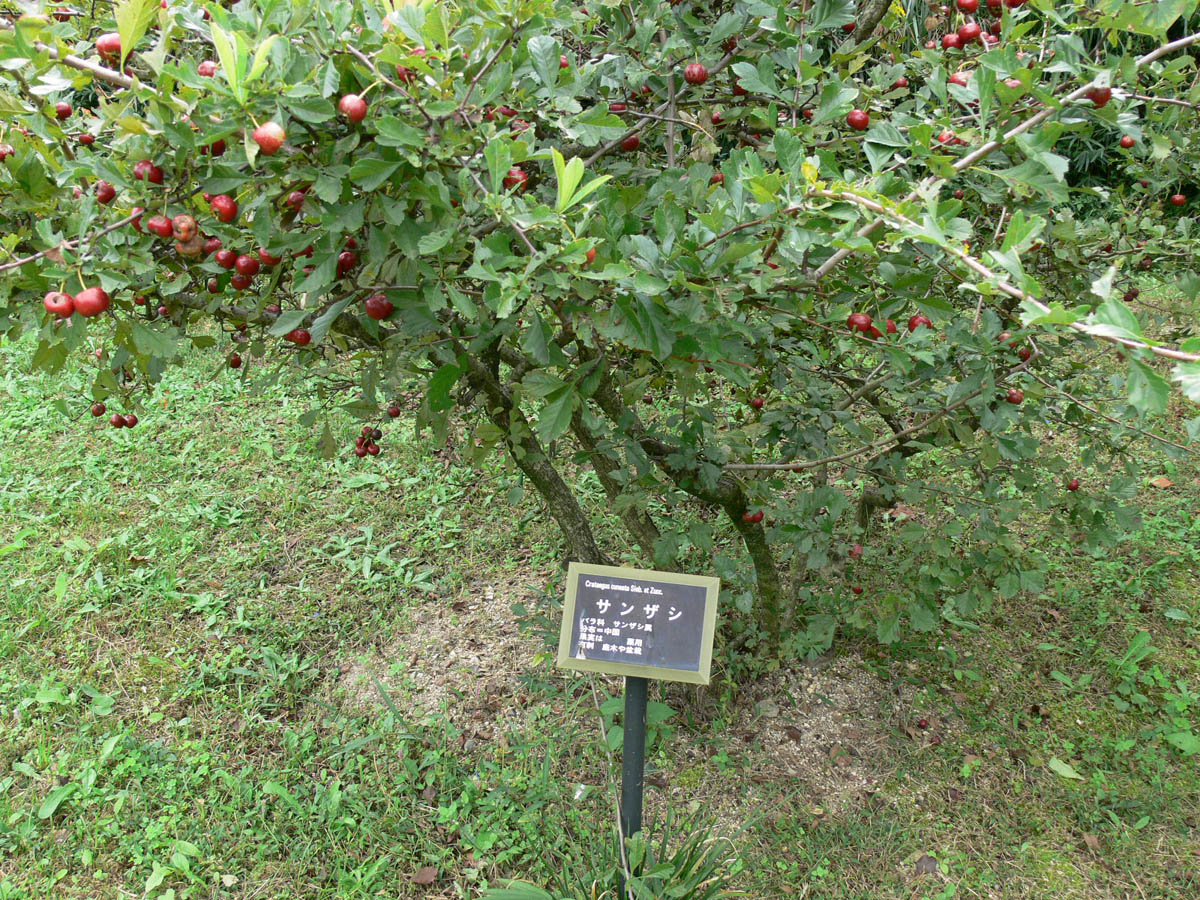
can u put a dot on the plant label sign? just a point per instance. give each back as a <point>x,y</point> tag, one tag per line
<point>639,623</point>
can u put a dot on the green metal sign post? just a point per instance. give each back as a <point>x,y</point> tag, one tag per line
<point>640,624</point>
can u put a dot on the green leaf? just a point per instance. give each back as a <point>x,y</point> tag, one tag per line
<point>313,110</point>
<point>394,132</point>
<point>151,342</point>
<point>830,14</point>
<point>438,390</point>
<point>887,631</point>
<point>133,19</point>
<point>231,69</point>
<point>1185,741</point>
<point>544,54</point>
<point>320,325</point>
<point>567,175</point>
<point>371,172</point>
<point>288,319</point>
<point>1115,319</point>
<point>1148,391</point>
<point>1188,376</point>
<point>274,788</point>
<point>499,157</point>
<point>1061,768</point>
<point>260,58</point>
<point>516,890</point>
<point>55,799</point>
<point>555,416</point>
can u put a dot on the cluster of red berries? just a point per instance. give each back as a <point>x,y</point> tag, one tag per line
<point>367,442</point>
<point>116,420</point>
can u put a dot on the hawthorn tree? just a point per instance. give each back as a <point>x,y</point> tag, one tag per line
<point>755,261</point>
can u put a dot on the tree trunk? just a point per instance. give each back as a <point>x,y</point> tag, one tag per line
<point>527,453</point>
<point>727,494</point>
<point>637,522</point>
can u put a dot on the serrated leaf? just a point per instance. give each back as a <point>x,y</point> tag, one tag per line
<point>133,19</point>
<point>544,54</point>
<point>394,132</point>
<point>830,14</point>
<point>555,417</point>
<point>321,324</point>
<point>371,172</point>
<point>1117,320</point>
<point>1188,376</point>
<point>275,789</point>
<point>1148,391</point>
<point>438,389</point>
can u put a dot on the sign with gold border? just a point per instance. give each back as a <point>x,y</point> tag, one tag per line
<point>639,623</point>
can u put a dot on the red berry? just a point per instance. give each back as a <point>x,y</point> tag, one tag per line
<point>109,45</point>
<point>235,360</point>
<point>695,73</point>
<point>270,137</point>
<point>226,258</point>
<point>631,143</point>
<point>951,41</point>
<point>346,261</point>
<point>969,32</point>
<point>1073,484</point>
<point>247,265</point>
<point>968,6</point>
<point>62,110</point>
<point>295,199</point>
<point>207,68</point>
<point>116,420</point>
<point>393,411</point>
<point>1127,141</point>
<point>298,336</point>
<point>212,245</point>
<point>856,551</point>
<point>717,178</point>
<point>516,178</point>
<point>858,120</point>
<point>563,62</point>
<point>105,192</point>
<point>1015,396</point>
<point>860,322</point>
<point>130,420</point>
<point>91,301</point>
<point>590,256</point>
<point>239,282</point>
<point>1178,199</point>
<point>87,139</point>
<point>224,207</point>
<point>857,589</point>
<point>917,321</point>
<point>268,259</point>
<point>59,303</point>
<point>757,402</point>
<point>1099,96</point>
<point>98,409</point>
<point>378,307</point>
<point>353,107</point>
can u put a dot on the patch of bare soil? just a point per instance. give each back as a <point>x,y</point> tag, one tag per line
<point>460,660</point>
<point>818,731</point>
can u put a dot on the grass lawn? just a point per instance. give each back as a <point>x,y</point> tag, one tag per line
<point>232,668</point>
